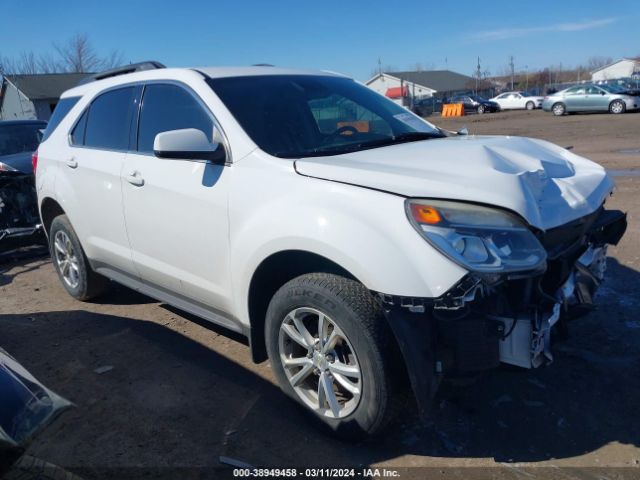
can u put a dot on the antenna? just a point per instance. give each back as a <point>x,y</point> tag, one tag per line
<point>512,69</point>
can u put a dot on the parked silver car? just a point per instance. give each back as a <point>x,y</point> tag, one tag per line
<point>591,98</point>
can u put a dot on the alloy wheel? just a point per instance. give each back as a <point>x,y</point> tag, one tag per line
<point>320,363</point>
<point>617,107</point>
<point>558,109</point>
<point>66,259</point>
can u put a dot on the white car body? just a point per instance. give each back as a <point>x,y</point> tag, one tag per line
<point>517,101</point>
<point>194,233</point>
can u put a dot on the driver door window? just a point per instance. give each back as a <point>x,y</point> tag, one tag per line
<point>169,107</point>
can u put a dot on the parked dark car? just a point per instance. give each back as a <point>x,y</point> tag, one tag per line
<point>426,106</point>
<point>19,219</point>
<point>475,103</point>
<point>27,407</point>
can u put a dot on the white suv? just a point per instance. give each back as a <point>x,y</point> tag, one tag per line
<point>359,248</point>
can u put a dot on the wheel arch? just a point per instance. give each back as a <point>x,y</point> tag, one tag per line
<point>49,209</point>
<point>273,272</point>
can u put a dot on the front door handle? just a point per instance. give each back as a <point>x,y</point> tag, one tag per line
<point>72,162</point>
<point>134,178</point>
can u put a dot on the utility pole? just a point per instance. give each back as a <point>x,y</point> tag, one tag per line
<point>478,73</point>
<point>379,66</point>
<point>526,73</point>
<point>512,70</point>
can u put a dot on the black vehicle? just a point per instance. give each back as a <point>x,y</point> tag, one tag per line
<point>19,219</point>
<point>27,407</point>
<point>475,103</point>
<point>426,106</point>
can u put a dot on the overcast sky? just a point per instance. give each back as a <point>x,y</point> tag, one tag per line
<point>348,36</point>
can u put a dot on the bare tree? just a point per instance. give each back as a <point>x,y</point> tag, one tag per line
<point>593,63</point>
<point>78,55</point>
<point>75,55</point>
<point>47,63</point>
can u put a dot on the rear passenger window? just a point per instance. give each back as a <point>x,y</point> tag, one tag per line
<point>109,120</point>
<point>169,107</point>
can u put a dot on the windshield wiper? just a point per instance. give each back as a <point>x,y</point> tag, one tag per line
<point>354,147</point>
<point>395,139</point>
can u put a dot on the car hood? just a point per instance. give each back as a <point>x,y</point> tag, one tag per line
<point>19,161</point>
<point>545,184</point>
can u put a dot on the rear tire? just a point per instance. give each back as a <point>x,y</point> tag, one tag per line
<point>617,107</point>
<point>530,106</point>
<point>364,404</point>
<point>481,109</point>
<point>559,109</point>
<point>71,264</point>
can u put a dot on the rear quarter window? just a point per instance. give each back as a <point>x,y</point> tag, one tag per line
<point>63,107</point>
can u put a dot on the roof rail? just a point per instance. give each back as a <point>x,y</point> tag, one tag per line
<point>123,70</point>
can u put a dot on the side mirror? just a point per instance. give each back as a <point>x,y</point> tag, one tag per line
<point>463,131</point>
<point>188,144</point>
<point>601,93</point>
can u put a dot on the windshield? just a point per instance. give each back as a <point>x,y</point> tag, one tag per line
<point>477,98</point>
<point>293,116</point>
<point>19,138</point>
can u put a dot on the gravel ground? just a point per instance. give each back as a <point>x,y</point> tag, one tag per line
<point>182,393</point>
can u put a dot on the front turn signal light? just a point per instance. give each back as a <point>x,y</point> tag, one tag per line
<point>425,214</point>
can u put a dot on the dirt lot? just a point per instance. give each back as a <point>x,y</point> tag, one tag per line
<point>181,393</point>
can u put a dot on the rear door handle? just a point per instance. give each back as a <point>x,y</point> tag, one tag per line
<point>134,178</point>
<point>72,162</point>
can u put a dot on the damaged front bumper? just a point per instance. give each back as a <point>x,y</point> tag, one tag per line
<point>486,320</point>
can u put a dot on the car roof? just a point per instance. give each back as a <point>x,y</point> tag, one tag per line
<point>181,73</point>
<point>8,123</point>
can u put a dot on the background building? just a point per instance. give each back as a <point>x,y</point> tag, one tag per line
<point>402,87</point>
<point>29,97</point>
<point>624,68</point>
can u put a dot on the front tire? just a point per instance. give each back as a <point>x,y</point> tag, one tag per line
<point>71,263</point>
<point>559,109</point>
<point>332,352</point>
<point>617,107</point>
<point>530,106</point>
<point>480,109</point>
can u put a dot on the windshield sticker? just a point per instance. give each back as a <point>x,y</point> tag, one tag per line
<point>414,122</point>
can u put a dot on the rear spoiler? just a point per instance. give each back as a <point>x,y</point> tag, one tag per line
<point>114,72</point>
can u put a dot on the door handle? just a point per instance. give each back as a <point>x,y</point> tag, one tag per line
<point>134,178</point>
<point>72,162</point>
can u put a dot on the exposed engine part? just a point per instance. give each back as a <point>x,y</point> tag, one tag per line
<point>529,343</point>
<point>19,217</point>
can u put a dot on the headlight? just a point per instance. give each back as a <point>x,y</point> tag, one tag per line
<point>479,238</point>
<point>6,168</point>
